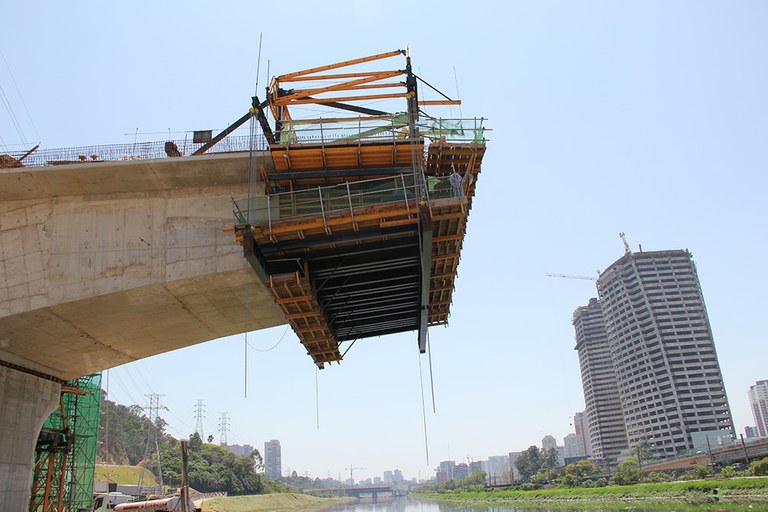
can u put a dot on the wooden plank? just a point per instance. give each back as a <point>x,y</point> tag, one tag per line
<point>288,300</point>
<point>447,238</point>
<point>305,314</point>
<point>393,223</point>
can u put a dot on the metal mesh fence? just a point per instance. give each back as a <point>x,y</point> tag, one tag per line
<point>136,151</point>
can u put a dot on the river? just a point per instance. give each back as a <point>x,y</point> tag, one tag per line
<point>407,505</point>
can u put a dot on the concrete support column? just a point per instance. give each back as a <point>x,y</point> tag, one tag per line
<point>25,403</point>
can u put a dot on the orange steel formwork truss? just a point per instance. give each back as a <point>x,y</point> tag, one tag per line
<point>361,233</point>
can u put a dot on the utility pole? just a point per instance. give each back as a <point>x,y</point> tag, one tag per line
<point>184,476</point>
<point>199,415</point>
<point>744,446</point>
<point>223,429</point>
<point>711,457</point>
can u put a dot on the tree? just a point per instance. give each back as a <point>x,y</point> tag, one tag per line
<point>577,472</point>
<point>628,472</point>
<point>529,463</point>
<point>476,479</point>
<point>258,461</point>
<point>643,450</point>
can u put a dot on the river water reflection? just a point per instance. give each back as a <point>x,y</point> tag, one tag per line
<point>408,505</point>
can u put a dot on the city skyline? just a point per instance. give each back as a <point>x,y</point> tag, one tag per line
<point>646,117</point>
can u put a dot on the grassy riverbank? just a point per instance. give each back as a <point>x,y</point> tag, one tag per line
<point>261,502</point>
<point>753,491</point>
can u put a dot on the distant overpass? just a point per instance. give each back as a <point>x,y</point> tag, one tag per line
<point>373,492</point>
<point>736,453</point>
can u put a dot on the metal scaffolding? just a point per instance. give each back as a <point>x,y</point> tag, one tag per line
<point>65,455</point>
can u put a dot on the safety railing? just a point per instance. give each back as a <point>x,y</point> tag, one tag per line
<point>329,200</point>
<point>136,151</point>
<point>380,128</point>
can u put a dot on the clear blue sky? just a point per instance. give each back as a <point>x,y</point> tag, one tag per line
<point>645,117</point>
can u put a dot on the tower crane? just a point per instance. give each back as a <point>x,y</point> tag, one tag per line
<point>571,276</point>
<point>351,472</point>
<point>626,245</point>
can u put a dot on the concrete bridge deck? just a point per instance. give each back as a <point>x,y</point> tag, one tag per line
<point>103,263</point>
<point>109,262</point>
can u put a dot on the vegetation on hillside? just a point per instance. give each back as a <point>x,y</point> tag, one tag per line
<point>129,440</point>
<point>124,434</point>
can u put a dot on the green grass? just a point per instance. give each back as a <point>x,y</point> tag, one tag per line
<point>744,490</point>
<point>124,475</point>
<point>263,502</point>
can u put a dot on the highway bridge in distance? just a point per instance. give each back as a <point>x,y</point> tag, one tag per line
<point>370,492</point>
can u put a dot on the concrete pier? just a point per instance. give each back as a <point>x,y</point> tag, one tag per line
<point>25,402</point>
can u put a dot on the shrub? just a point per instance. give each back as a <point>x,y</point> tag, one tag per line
<point>657,477</point>
<point>759,467</point>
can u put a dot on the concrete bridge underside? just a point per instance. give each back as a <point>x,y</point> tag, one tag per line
<point>105,263</point>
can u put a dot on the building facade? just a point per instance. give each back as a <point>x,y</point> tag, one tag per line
<point>758,401</point>
<point>605,432</point>
<point>499,472</point>
<point>582,433</point>
<point>663,353</point>
<point>571,446</point>
<point>273,459</point>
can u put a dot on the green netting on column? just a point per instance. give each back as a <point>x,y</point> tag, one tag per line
<point>83,414</point>
<point>70,444</point>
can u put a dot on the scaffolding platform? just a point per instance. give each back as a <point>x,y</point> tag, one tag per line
<point>361,227</point>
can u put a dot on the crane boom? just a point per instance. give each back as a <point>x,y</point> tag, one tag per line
<point>571,276</point>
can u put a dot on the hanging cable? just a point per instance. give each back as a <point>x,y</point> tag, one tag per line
<point>423,411</point>
<point>273,346</point>
<point>12,115</point>
<point>458,96</point>
<point>317,398</point>
<point>21,97</point>
<point>431,380</point>
<point>251,180</point>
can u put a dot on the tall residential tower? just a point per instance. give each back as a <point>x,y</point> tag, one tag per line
<point>758,400</point>
<point>273,459</point>
<point>663,352</point>
<point>605,423</point>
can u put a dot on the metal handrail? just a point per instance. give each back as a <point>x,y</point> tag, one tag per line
<point>346,196</point>
<point>381,128</point>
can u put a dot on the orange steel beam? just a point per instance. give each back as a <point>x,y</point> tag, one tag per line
<point>338,65</point>
<point>302,93</point>
<point>334,77</point>
<point>351,98</point>
<point>440,102</point>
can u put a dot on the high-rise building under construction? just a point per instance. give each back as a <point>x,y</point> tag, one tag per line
<point>662,351</point>
<point>604,417</point>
